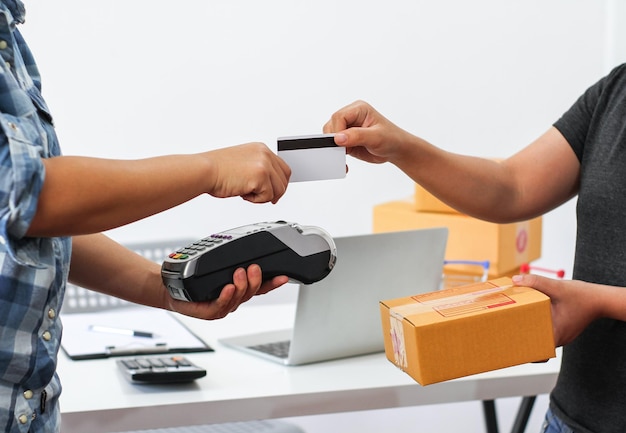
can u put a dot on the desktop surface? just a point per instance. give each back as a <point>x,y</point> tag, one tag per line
<point>240,387</point>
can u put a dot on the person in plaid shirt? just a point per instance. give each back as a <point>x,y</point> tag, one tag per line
<point>53,209</point>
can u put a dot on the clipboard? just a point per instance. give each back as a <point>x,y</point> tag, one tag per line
<point>127,331</point>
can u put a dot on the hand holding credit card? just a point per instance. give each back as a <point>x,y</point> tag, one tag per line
<point>313,157</point>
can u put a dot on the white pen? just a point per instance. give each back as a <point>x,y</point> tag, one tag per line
<point>121,331</point>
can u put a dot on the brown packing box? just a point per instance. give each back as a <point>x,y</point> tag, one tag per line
<point>506,246</point>
<point>460,275</point>
<point>466,330</point>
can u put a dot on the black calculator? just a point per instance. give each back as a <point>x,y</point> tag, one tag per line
<point>160,369</point>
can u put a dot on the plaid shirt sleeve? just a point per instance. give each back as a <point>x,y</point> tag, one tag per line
<point>24,141</point>
<point>20,183</point>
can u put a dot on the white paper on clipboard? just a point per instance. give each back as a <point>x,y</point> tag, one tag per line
<point>80,341</point>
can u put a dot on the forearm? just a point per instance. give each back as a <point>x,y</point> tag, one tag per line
<point>537,179</point>
<point>101,264</point>
<point>475,186</point>
<point>89,195</point>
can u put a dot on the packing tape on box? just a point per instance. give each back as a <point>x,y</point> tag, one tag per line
<point>397,341</point>
<point>475,300</point>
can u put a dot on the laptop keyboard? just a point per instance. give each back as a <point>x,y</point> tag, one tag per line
<point>279,349</point>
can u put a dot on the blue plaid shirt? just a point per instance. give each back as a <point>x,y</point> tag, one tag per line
<point>33,271</point>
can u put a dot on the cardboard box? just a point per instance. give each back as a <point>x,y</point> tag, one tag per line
<point>506,246</point>
<point>466,330</point>
<point>461,275</point>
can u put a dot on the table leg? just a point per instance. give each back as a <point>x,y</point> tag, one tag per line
<point>523,413</point>
<point>489,410</point>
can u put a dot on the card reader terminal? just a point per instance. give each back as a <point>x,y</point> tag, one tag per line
<point>199,271</point>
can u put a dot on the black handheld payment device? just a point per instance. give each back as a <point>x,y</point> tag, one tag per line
<point>199,271</point>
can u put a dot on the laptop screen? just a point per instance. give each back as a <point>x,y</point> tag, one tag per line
<point>339,316</point>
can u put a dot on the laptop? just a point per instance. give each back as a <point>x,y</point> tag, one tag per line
<point>339,316</point>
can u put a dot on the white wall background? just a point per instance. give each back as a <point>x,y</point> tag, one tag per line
<point>132,79</point>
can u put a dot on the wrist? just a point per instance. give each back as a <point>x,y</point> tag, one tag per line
<point>610,302</point>
<point>153,292</point>
<point>412,154</point>
<point>205,171</point>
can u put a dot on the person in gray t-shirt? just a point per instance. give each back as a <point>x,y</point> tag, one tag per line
<point>583,154</point>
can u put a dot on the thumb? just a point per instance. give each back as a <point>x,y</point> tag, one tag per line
<point>351,137</point>
<point>363,139</point>
<point>545,285</point>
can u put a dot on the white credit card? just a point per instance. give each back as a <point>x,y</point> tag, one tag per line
<point>313,157</point>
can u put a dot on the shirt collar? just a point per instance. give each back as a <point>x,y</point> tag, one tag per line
<point>16,7</point>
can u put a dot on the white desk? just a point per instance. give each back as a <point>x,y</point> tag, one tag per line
<point>240,387</point>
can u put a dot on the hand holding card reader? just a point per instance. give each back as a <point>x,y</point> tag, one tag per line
<point>199,271</point>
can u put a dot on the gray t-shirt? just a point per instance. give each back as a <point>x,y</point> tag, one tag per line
<point>590,394</point>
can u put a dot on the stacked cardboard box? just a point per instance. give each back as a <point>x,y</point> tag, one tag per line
<point>505,246</point>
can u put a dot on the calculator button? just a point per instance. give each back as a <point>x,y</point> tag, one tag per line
<point>156,362</point>
<point>168,362</point>
<point>144,363</point>
<point>130,363</point>
<point>179,360</point>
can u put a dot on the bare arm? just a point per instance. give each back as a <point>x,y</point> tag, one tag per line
<point>83,196</point>
<point>101,264</point>
<point>87,195</point>
<point>538,178</point>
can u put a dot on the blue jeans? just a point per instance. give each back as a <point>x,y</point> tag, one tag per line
<point>553,424</point>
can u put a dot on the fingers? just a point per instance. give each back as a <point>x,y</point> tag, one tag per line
<point>270,188</point>
<point>246,284</point>
<point>251,171</point>
<point>256,285</point>
<point>272,284</point>
<point>364,132</point>
<point>280,179</point>
<point>216,309</point>
<point>272,179</point>
<point>347,123</point>
<point>546,285</point>
<point>355,114</point>
<point>543,285</point>
<point>249,283</point>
